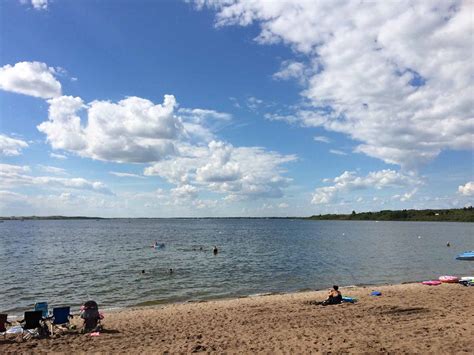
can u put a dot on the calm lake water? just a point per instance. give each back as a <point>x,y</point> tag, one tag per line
<point>68,262</point>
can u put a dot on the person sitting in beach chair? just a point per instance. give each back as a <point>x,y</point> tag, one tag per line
<point>61,316</point>
<point>334,297</point>
<point>3,321</point>
<point>91,316</point>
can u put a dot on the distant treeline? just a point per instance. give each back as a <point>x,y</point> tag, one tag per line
<point>23,218</point>
<point>465,214</point>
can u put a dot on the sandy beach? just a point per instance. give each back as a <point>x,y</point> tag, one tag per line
<point>406,318</point>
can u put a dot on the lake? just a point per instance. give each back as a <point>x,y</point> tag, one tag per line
<point>67,262</point>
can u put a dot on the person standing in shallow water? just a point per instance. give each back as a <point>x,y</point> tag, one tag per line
<point>215,251</point>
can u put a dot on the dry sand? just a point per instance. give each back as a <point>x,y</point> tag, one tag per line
<point>406,318</point>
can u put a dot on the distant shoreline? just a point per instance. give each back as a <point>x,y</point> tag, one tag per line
<point>465,214</point>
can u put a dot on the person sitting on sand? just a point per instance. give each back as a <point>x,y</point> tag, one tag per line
<point>334,296</point>
<point>91,316</point>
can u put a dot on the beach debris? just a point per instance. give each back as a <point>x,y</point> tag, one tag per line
<point>376,293</point>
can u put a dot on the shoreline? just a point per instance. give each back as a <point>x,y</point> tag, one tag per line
<point>161,303</point>
<point>158,303</point>
<point>407,317</point>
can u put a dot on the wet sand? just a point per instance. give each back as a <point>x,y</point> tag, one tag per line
<point>406,318</point>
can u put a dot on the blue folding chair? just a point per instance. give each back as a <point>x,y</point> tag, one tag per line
<point>60,316</point>
<point>43,307</point>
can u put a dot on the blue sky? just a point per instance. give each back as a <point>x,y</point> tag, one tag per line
<point>210,108</point>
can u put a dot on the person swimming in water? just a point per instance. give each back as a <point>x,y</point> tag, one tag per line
<point>157,245</point>
<point>215,251</point>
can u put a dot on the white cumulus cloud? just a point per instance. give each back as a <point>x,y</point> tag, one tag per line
<point>349,181</point>
<point>134,129</point>
<point>179,143</point>
<point>12,176</point>
<point>406,196</point>
<point>131,130</point>
<point>40,4</point>
<point>186,192</point>
<point>11,146</point>
<point>237,172</point>
<point>396,76</point>
<point>292,70</point>
<point>37,4</point>
<point>30,78</point>
<point>467,189</point>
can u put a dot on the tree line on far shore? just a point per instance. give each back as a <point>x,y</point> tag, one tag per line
<point>465,214</point>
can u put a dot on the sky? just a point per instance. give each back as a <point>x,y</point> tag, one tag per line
<point>235,107</point>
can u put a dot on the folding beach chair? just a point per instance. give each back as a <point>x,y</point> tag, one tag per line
<point>60,316</point>
<point>33,323</point>
<point>43,307</point>
<point>3,321</point>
